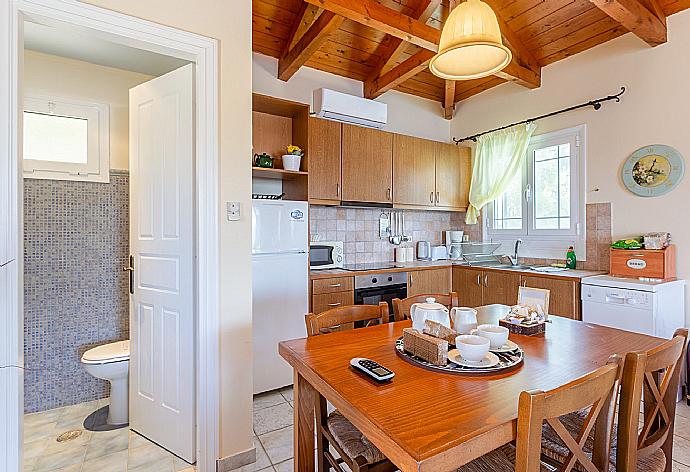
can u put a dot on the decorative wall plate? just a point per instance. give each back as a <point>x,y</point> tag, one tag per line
<point>653,170</point>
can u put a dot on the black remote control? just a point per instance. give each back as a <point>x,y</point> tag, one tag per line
<point>372,368</point>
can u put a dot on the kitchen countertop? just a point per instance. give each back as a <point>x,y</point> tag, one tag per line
<point>425,265</point>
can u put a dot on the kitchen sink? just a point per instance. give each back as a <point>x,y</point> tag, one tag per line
<point>509,267</point>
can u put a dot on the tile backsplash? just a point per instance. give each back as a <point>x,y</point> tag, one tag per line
<point>358,228</point>
<point>359,231</point>
<point>76,241</point>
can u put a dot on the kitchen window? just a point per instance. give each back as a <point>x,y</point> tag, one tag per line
<point>65,139</point>
<point>545,205</point>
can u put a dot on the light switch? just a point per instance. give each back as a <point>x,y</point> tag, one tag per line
<point>233,211</point>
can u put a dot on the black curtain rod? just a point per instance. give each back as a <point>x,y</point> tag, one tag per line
<point>596,104</point>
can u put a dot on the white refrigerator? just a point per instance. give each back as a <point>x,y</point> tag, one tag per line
<point>280,285</point>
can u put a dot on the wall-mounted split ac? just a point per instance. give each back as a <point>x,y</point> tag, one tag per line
<point>346,108</point>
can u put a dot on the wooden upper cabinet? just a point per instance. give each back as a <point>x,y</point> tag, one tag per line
<point>324,160</point>
<point>429,281</point>
<point>564,296</point>
<point>367,165</point>
<point>452,176</point>
<point>413,171</point>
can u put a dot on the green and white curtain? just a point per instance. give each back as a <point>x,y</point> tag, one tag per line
<point>499,157</point>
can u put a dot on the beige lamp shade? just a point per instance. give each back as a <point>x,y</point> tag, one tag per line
<point>471,45</point>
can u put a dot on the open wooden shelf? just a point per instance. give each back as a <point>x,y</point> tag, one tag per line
<point>277,174</point>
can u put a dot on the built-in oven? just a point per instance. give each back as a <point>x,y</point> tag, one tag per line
<point>374,288</point>
<point>326,255</point>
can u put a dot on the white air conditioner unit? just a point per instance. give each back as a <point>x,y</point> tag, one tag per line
<point>346,108</point>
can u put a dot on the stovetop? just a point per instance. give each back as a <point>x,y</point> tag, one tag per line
<point>369,266</point>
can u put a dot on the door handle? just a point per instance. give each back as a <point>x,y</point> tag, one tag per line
<point>479,279</point>
<point>437,198</point>
<point>410,280</point>
<point>130,269</point>
<point>486,280</point>
<point>431,197</point>
<point>334,304</point>
<point>337,189</point>
<point>336,285</point>
<point>388,194</point>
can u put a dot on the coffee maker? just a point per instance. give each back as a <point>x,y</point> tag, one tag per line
<point>453,241</point>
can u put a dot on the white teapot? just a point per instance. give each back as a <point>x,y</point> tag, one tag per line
<point>430,310</point>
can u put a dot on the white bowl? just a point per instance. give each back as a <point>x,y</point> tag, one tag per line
<point>472,348</point>
<point>497,335</point>
<point>291,162</point>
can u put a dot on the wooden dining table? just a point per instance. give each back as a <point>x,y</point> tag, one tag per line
<point>426,420</point>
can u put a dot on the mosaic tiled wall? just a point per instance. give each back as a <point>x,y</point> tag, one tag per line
<point>358,228</point>
<point>76,241</point>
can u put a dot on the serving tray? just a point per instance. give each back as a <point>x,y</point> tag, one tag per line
<point>507,361</point>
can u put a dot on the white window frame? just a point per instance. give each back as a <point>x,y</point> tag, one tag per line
<point>97,115</point>
<point>548,244</point>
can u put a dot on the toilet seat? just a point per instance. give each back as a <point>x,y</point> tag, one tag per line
<point>107,353</point>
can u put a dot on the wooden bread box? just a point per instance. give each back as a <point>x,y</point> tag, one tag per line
<point>649,263</point>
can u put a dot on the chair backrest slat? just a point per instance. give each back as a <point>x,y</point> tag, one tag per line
<point>596,391</point>
<point>401,308</point>
<point>346,317</point>
<point>650,378</point>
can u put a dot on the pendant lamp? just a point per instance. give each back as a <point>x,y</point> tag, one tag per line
<point>470,46</point>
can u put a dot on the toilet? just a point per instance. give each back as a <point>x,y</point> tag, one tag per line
<point>111,362</point>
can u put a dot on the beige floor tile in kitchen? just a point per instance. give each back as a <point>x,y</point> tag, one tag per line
<point>273,418</point>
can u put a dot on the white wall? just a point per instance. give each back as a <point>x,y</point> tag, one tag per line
<point>654,110</point>
<point>230,22</point>
<point>407,114</point>
<point>59,77</point>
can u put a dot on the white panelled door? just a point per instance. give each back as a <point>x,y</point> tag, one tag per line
<point>162,358</point>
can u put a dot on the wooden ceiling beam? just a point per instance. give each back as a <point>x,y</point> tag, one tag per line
<point>382,18</point>
<point>637,19</point>
<point>399,74</point>
<point>449,100</point>
<point>424,10</point>
<point>310,42</point>
<point>524,69</point>
<point>305,18</point>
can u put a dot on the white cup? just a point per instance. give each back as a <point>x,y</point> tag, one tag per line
<point>400,254</point>
<point>472,348</point>
<point>409,254</point>
<point>464,319</point>
<point>497,335</point>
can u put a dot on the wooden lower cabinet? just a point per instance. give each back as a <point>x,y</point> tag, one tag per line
<point>500,287</point>
<point>429,281</point>
<point>468,284</point>
<point>325,301</point>
<point>564,299</point>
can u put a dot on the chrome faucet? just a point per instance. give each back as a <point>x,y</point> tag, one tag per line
<point>514,260</point>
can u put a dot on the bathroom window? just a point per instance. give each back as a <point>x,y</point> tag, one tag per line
<point>65,139</point>
<point>544,205</point>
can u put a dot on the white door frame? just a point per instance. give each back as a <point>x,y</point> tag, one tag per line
<point>142,34</point>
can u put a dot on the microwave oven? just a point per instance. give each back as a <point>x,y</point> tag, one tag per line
<point>326,255</point>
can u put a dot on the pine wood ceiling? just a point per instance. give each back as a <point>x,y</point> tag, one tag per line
<point>545,31</point>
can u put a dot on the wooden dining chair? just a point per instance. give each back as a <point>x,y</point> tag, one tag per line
<point>650,382</point>
<point>596,392</point>
<point>401,308</point>
<point>354,449</point>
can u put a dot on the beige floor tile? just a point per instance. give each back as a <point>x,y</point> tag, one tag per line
<point>181,466</point>
<point>149,454</point>
<point>278,444</point>
<point>262,460</point>
<point>104,443</point>
<point>29,465</point>
<point>164,465</point>
<point>268,399</point>
<point>682,427</point>
<point>116,462</point>
<point>287,466</point>
<point>678,467</point>
<point>35,449</point>
<point>42,417</point>
<point>54,447</point>
<point>137,440</point>
<point>59,460</point>
<point>38,431</point>
<point>682,409</point>
<point>681,450</point>
<point>287,393</point>
<point>273,418</point>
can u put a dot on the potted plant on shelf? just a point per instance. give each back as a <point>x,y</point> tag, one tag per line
<point>291,160</point>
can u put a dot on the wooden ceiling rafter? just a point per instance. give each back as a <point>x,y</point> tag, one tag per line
<point>637,19</point>
<point>312,39</point>
<point>399,74</point>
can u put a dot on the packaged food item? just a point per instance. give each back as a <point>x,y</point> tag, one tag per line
<point>657,240</point>
<point>437,330</point>
<point>632,243</point>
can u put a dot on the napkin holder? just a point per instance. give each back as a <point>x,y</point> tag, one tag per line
<point>524,329</point>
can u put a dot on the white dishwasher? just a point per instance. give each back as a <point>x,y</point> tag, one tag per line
<point>654,308</point>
